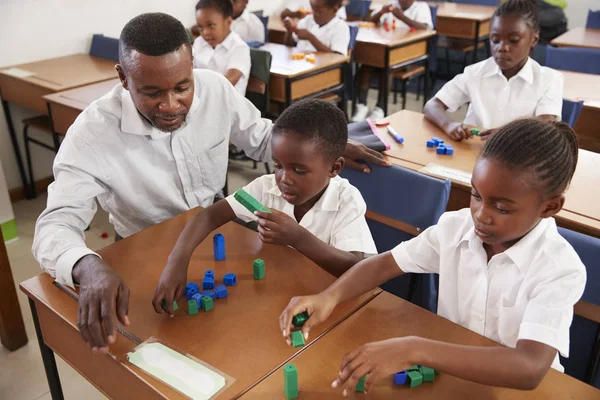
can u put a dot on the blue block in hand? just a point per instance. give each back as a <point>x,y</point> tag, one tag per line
<point>219,247</point>
<point>220,292</point>
<point>230,279</point>
<point>198,298</point>
<point>208,283</point>
<point>431,143</point>
<point>441,149</point>
<point>400,378</point>
<point>208,293</point>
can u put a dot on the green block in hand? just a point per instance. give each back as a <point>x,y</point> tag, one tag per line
<point>300,319</point>
<point>249,202</point>
<point>360,386</point>
<point>297,339</point>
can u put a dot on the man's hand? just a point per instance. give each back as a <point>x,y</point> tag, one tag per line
<point>356,153</point>
<point>170,286</point>
<point>279,228</point>
<point>103,298</point>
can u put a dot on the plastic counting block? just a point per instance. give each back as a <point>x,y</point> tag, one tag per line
<point>191,289</point>
<point>428,373</point>
<point>198,299</point>
<point>400,378</point>
<point>208,283</point>
<point>249,202</point>
<point>164,306</point>
<point>414,378</point>
<point>290,381</point>
<point>437,140</point>
<point>207,303</point>
<point>360,386</point>
<point>475,132</point>
<point>192,307</point>
<point>431,143</point>
<point>230,279</point>
<point>436,372</point>
<point>449,151</point>
<point>209,274</point>
<point>297,339</point>
<point>220,292</point>
<point>441,149</point>
<point>208,293</point>
<point>413,368</point>
<point>310,58</point>
<point>300,319</point>
<point>219,247</point>
<point>259,269</point>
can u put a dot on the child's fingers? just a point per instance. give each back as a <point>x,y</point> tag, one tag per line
<point>348,358</point>
<point>372,377</point>
<point>352,381</point>
<point>157,302</point>
<point>265,215</point>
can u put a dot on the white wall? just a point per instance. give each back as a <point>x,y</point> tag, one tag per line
<point>577,11</point>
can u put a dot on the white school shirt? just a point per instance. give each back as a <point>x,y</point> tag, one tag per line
<point>295,5</point>
<point>527,292</point>
<point>249,27</point>
<point>335,34</point>
<point>495,101</point>
<point>139,174</point>
<point>338,218</point>
<point>231,53</point>
<point>419,11</point>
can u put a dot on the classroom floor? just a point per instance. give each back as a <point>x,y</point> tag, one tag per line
<point>22,375</point>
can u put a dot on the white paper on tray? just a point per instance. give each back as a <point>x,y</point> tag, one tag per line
<point>18,72</point>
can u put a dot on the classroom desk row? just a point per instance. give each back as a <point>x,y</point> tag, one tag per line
<point>241,336</point>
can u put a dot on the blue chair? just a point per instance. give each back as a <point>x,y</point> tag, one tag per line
<point>570,111</point>
<point>402,203</point>
<point>584,357</point>
<point>573,59</point>
<point>494,3</point>
<point>105,47</point>
<point>357,10</point>
<point>265,20</point>
<point>593,20</point>
<point>539,53</point>
<point>349,70</point>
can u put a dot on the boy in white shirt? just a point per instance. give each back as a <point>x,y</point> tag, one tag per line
<point>312,209</point>
<point>322,30</point>
<point>505,272</point>
<point>247,24</point>
<point>218,48</point>
<point>301,8</point>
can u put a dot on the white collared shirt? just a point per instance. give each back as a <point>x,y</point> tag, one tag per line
<point>496,101</point>
<point>139,174</point>
<point>249,27</point>
<point>295,5</point>
<point>338,218</point>
<point>419,11</point>
<point>335,34</point>
<point>231,53</point>
<point>526,292</point>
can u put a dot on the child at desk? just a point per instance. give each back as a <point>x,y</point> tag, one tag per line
<point>247,24</point>
<point>301,8</point>
<point>406,14</point>
<point>506,86</point>
<point>312,209</point>
<point>218,48</point>
<point>320,31</point>
<point>505,271</point>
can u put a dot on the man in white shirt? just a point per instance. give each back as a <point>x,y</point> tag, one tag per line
<point>147,151</point>
<point>247,24</point>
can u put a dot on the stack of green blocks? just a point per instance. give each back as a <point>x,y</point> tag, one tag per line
<point>419,374</point>
<point>259,269</point>
<point>290,381</point>
<point>297,339</point>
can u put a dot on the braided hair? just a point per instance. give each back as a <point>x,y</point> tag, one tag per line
<point>548,149</point>
<point>224,7</point>
<point>526,9</point>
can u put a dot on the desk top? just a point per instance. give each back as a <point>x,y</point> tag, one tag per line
<point>284,66</point>
<point>579,86</point>
<point>81,97</point>
<point>241,336</point>
<point>579,37</point>
<point>395,37</point>
<point>65,73</point>
<point>319,364</point>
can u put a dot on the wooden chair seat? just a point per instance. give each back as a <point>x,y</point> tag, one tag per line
<point>41,123</point>
<point>410,72</point>
<point>463,45</point>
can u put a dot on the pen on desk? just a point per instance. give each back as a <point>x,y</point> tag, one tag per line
<point>395,135</point>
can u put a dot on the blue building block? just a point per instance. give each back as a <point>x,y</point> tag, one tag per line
<point>441,149</point>
<point>191,289</point>
<point>400,378</point>
<point>219,247</point>
<point>209,274</point>
<point>220,292</point>
<point>230,279</point>
<point>198,298</point>
<point>208,283</point>
<point>431,143</point>
<point>449,150</point>
<point>208,293</point>
<point>437,140</point>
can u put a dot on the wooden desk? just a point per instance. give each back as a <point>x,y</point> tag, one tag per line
<point>292,80</point>
<point>50,76</point>
<point>579,37</point>
<point>276,29</point>
<point>12,329</point>
<point>393,50</point>
<point>581,211</point>
<point>578,87</point>
<point>388,316</point>
<point>240,337</point>
<point>64,107</point>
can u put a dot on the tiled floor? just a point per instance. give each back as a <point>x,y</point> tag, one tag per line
<point>22,374</point>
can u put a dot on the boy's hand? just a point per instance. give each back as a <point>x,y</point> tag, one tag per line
<point>303,34</point>
<point>170,287</point>
<point>397,12</point>
<point>457,131</point>
<point>318,307</point>
<point>278,228</point>
<point>287,23</point>
<point>485,135</point>
<point>376,360</point>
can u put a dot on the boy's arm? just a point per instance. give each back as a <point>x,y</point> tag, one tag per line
<point>304,34</point>
<point>233,75</point>
<point>398,13</point>
<point>376,16</point>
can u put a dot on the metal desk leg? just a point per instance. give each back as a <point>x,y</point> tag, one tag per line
<point>476,42</point>
<point>386,83</point>
<point>16,149</point>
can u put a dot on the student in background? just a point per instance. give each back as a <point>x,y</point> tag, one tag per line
<point>506,86</point>
<point>505,271</point>
<point>407,14</point>
<point>320,31</point>
<point>312,209</point>
<point>218,48</point>
<point>247,24</point>
<point>301,8</point>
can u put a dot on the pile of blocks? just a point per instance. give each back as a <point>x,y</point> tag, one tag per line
<point>364,24</point>
<point>210,292</point>
<point>415,376</point>
<point>443,149</point>
<point>297,56</point>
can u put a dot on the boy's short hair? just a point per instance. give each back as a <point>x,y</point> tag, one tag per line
<point>225,7</point>
<point>332,3</point>
<point>316,120</point>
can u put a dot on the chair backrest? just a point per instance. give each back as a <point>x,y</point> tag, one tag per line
<point>257,90</point>
<point>433,41</point>
<point>494,3</point>
<point>357,10</point>
<point>349,70</point>
<point>105,47</point>
<point>258,13</point>
<point>585,330</point>
<point>593,20</point>
<point>401,204</point>
<point>570,111</point>
<point>433,9</point>
<point>353,34</point>
<point>265,21</point>
<point>573,59</point>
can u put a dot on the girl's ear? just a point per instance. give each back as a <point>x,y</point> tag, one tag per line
<point>536,39</point>
<point>336,167</point>
<point>552,206</point>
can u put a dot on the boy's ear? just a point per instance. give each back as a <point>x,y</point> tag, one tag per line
<point>552,206</point>
<point>229,21</point>
<point>122,76</point>
<point>336,167</point>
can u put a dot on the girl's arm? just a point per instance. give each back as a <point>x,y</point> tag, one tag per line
<point>435,111</point>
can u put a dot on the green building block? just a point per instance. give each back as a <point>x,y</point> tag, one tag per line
<point>413,368</point>
<point>259,269</point>
<point>290,381</point>
<point>300,319</point>
<point>414,378</point>
<point>207,303</point>
<point>297,339</point>
<point>249,202</point>
<point>360,386</point>
<point>192,307</point>
<point>475,132</point>
<point>428,374</point>
<point>164,306</point>
<point>436,371</point>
